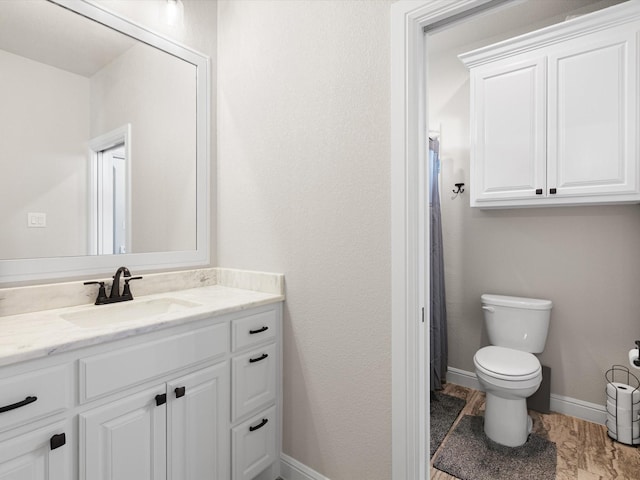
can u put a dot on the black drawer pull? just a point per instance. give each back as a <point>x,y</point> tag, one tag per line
<point>57,441</point>
<point>538,191</point>
<point>553,191</point>
<point>261,357</point>
<point>260,330</point>
<point>260,425</point>
<point>180,391</point>
<point>13,406</point>
<point>161,399</point>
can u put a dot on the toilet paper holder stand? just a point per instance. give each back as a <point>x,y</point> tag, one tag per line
<point>619,378</point>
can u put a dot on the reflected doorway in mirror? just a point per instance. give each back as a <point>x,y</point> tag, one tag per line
<point>110,192</point>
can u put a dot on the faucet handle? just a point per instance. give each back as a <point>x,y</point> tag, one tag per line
<point>102,293</point>
<point>126,292</point>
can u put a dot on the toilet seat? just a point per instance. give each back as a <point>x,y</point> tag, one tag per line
<point>507,364</point>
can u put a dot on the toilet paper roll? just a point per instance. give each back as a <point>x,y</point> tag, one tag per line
<point>624,418</point>
<point>623,428</point>
<point>633,355</point>
<point>624,435</point>
<point>622,406</point>
<point>622,395</point>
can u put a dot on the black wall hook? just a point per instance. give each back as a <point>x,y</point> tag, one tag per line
<point>459,188</point>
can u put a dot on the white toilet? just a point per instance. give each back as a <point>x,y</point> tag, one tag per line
<point>507,370</point>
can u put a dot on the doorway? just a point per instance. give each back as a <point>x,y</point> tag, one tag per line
<point>409,126</point>
<point>110,193</point>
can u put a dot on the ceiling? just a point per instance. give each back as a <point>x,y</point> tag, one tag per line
<point>50,34</point>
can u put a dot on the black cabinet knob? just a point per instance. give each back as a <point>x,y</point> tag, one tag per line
<point>57,441</point>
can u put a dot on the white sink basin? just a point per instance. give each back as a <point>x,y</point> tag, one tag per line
<point>100,315</point>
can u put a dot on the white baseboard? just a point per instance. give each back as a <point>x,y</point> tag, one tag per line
<point>463,378</point>
<point>573,407</point>
<point>291,469</point>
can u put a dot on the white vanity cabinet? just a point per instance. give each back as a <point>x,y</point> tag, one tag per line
<point>171,404</point>
<point>254,371</point>
<point>554,114</point>
<point>176,430</point>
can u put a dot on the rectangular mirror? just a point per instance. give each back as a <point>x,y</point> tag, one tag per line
<point>105,157</point>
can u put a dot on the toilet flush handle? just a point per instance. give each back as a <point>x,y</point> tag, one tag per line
<point>488,309</point>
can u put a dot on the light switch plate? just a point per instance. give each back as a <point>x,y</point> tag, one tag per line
<point>36,220</point>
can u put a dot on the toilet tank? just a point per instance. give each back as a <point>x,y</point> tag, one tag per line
<point>517,322</point>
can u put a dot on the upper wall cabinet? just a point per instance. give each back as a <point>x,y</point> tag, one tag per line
<point>554,114</point>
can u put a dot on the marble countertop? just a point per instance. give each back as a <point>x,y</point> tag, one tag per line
<point>39,334</point>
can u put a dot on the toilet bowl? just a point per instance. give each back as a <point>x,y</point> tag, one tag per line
<point>507,370</point>
<point>508,378</point>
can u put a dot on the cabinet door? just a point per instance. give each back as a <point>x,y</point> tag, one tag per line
<point>36,455</point>
<point>198,425</point>
<point>125,439</point>
<point>508,130</point>
<point>592,115</point>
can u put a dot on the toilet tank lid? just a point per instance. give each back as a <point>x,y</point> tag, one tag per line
<point>516,302</point>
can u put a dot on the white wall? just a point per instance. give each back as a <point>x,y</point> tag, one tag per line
<point>303,175</point>
<point>44,124</point>
<point>585,259</point>
<point>153,92</point>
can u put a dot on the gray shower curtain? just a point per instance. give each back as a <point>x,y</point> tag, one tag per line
<point>438,308</point>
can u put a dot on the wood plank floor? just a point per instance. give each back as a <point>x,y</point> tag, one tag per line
<point>585,451</point>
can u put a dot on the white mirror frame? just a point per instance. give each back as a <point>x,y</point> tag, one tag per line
<point>20,270</point>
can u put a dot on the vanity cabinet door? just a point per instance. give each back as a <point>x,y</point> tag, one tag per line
<point>125,439</point>
<point>43,454</point>
<point>198,425</point>
<point>508,130</point>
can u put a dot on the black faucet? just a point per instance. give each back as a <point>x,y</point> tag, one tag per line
<point>115,286</point>
<point>115,295</point>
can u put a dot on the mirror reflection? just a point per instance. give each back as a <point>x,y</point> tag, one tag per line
<point>98,139</point>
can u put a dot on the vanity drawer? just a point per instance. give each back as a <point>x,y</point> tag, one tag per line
<point>253,329</point>
<point>34,395</point>
<point>109,372</point>
<point>254,445</point>
<point>253,379</point>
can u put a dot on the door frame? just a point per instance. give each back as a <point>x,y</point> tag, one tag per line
<point>409,230</point>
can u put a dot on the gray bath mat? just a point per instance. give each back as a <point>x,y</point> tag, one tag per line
<point>444,411</point>
<point>470,455</point>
